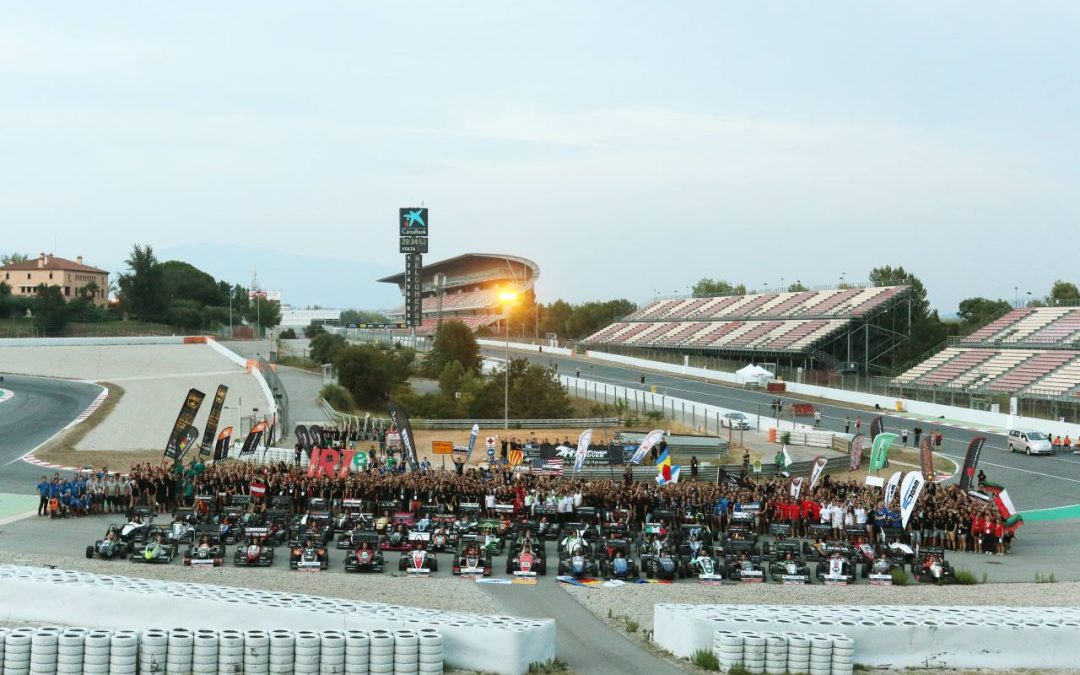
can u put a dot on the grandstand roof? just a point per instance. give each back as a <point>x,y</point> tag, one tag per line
<point>522,270</point>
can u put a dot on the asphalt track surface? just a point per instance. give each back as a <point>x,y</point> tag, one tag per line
<point>39,409</point>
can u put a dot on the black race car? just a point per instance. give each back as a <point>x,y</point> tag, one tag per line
<point>308,553</point>
<point>837,569</point>
<point>743,567</point>
<point>471,559</point>
<point>659,563</point>
<point>110,546</point>
<point>206,551</point>
<point>786,563</point>
<point>255,553</point>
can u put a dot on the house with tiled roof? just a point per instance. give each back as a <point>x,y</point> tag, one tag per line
<point>73,277</point>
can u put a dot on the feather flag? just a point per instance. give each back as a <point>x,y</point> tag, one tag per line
<point>891,487</point>
<point>654,437</point>
<point>787,461</point>
<point>879,452</point>
<point>583,442</point>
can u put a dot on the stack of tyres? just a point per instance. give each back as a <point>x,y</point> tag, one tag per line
<point>307,649</point>
<point>754,653</point>
<point>820,654</point>
<point>798,653</point>
<point>381,652</point>
<point>153,651</point>
<point>357,648</point>
<point>331,652</point>
<point>69,651</point>
<point>776,654</point>
<point>230,651</point>
<point>204,652</point>
<point>256,652</point>
<point>843,654</point>
<point>728,649</point>
<point>282,652</point>
<point>43,649</point>
<point>406,652</point>
<point>181,644</point>
<point>3,637</point>
<point>124,653</point>
<point>17,651</point>
<point>95,653</point>
<point>431,651</point>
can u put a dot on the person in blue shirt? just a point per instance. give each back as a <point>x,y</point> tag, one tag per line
<point>881,517</point>
<point>894,518</point>
<point>43,495</point>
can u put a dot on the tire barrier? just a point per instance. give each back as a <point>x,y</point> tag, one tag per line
<point>821,639</point>
<point>51,650</point>
<point>500,644</point>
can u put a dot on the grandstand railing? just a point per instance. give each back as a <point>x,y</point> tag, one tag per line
<point>958,341</point>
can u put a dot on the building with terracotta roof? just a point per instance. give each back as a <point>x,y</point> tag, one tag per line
<point>73,277</point>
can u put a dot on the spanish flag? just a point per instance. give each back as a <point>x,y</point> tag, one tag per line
<point>666,472</point>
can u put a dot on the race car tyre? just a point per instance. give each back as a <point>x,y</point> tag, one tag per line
<point>798,666</point>
<point>815,670</point>
<point>837,651</point>
<point>280,662</point>
<point>776,670</point>
<point>95,669</point>
<point>728,639</point>
<point>89,551</point>
<point>753,640</point>
<point>820,662</point>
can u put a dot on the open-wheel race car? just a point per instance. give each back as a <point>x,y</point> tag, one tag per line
<point>838,569</point>
<point>786,563</point>
<point>616,562</point>
<point>930,566</point>
<point>742,564</point>
<point>470,558</point>
<point>526,558</point>
<point>704,566</point>
<point>365,556</point>
<point>137,530</point>
<point>108,547</point>
<point>880,563</point>
<point>308,553</point>
<point>576,560</point>
<point>658,563</point>
<point>182,529</point>
<point>254,553</point>
<point>207,550</point>
<point>419,560</point>
<point>156,550</point>
<point>396,539</point>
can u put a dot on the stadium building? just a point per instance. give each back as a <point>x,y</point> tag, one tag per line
<point>799,333</point>
<point>466,288</point>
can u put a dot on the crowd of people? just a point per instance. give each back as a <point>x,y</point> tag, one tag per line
<point>945,516</point>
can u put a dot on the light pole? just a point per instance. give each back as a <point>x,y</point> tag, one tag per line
<point>508,298</point>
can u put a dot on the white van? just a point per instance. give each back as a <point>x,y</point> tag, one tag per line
<point>1030,442</point>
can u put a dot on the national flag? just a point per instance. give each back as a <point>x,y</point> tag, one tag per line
<point>515,457</point>
<point>666,472</point>
<point>547,467</point>
<point>258,489</point>
<point>785,461</point>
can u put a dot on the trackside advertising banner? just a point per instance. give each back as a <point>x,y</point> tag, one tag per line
<point>186,418</point>
<point>856,451</point>
<point>971,460</point>
<point>597,455</point>
<point>472,441</point>
<point>926,458</point>
<point>654,437</point>
<point>583,442</point>
<point>890,488</point>
<point>909,494</point>
<point>212,423</point>
<point>317,440</point>
<point>876,427</point>
<point>401,421</point>
<point>817,471</point>
<point>187,442</point>
<point>251,443</point>
<point>221,447</point>
<point>880,451</point>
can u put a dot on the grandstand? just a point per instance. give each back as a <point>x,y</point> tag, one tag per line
<point>468,289</point>
<point>1030,352</point>
<point>831,328</point>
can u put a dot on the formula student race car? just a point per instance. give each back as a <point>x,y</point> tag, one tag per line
<point>786,564</point>
<point>366,557</point>
<point>471,559</point>
<point>880,563</point>
<point>255,553</point>
<point>703,566</point>
<point>617,564</point>
<point>659,563</point>
<point>419,560</point>
<point>577,561</point>
<point>206,551</point>
<point>156,550</point>
<point>108,547</point>
<point>526,558</point>
<point>396,539</point>
<point>837,569</point>
<point>308,554</point>
<point>137,530</point>
<point>930,567</point>
<point>182,529</point>
<point>743,567</point>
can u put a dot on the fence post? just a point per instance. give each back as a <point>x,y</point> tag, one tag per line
<point>684,412</point>
<point>718,424</point>
<point>693,416</point>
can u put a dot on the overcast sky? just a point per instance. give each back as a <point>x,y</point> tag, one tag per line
<point>627,147</point>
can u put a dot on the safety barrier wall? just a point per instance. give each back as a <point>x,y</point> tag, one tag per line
<point>779,653</point>
<point>93,341</point>
<point>470,642</point>
<point>965,415</point>
<point>260,379</point>
<point>526,347</point>
<point>73,651</point>
<point>895,635</point>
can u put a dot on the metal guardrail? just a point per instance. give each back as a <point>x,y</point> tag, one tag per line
<point>595,422</point>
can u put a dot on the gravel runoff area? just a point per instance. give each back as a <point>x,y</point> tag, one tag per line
<point>449,594</point>
<point>155,379</point>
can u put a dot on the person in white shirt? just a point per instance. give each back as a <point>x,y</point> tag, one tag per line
<point>837,520</point>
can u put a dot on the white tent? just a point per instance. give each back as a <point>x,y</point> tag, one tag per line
<point>752,373</point>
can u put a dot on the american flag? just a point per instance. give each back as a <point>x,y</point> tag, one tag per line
<point>547,467</point>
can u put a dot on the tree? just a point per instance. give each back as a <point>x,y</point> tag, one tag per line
<point>50,309</point>
<point>185,314</point>
<point>451,378</point>
<point>369,374</point>
<point>888,276</point>
<point>535,393</point>
<point>288,334</point>
<point>12,258</point>
<point>1063,290</point>
<point>313,329</point>
<point>707,287</point>
<point>325,347</point>
<point>592,316</point>
<point>265,313</point>
<point>141,289</point>
<point>796,287</point>
<point>349,316</point>
<point>454,341</point>
<point>977,312</point>
<point>554,317</point>
<point>183,281</point>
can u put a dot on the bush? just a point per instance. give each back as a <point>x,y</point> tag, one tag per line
<point>338,397</point>
<point>288,334</point>
<point>965,578</point>
<point>705,659</point>
<point>899,577</point>
<point>553,666</point>
<point>785,438</point>
<point>738,669</point>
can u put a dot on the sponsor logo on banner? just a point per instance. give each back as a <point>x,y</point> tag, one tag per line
<point>472,441</point>
<point>401,421</point>
<point>186,418</point>
<point>971,460</point>
<point>796,487</point>
<point>909,494</point>
<point>817,471</point>
<point>582,449</point>
<point>304,439</point>
<point>890,488</point>
<point>879,452</point>
<point>317,439</point>
<point>187,441</point>
<point>212,422</point>
<point>654,437</point>
<point>221,447</point>
<point>251,443</point>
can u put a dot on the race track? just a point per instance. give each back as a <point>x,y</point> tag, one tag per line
<point>39,408</point>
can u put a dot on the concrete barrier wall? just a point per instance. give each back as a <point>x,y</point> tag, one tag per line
<point>526,347</point>
<point>974,417</point>
<point>92,342</point>
<point>500,644</point>
<point>895,635</point>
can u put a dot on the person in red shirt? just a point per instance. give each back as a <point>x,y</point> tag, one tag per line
<point>989,542</point>
<point>999,536</point>
<point>978,524</point>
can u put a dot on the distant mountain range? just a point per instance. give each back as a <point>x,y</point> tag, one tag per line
<point>302,279</point>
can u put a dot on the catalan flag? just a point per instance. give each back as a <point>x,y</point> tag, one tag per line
<point>515,457</point>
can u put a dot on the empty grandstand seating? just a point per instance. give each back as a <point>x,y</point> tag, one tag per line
<point>958,365</point>
<point>847,302</point>
<point>429,325</point>
<point>1060,382</point>
<point>1037,367</point>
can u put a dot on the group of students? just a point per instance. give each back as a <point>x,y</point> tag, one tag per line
<point>83,493</point>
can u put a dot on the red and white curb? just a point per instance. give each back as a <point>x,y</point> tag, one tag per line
<point>94,405</point>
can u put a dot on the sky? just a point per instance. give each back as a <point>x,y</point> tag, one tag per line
<point>629,148</point>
